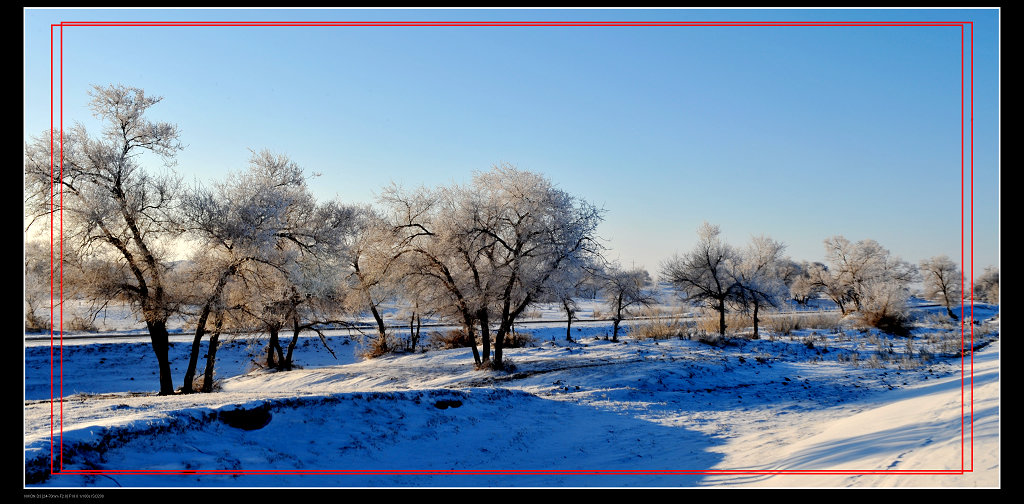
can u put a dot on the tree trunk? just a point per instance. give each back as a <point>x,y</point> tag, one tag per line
<point>499,345</point>
<point>211,354</point>
<point>274,345</point>
<point>617,318</point>
<point>468,325</point>
<point>193,358</point>
<point>471,334</point>
<point>414,331</point>
<point>569,312</point>
<point>485,336</point>
<point>159,339</point>
<point>296,329</point>
<point>382,336</point>
<point>721,318</point>
<point>755,320</point>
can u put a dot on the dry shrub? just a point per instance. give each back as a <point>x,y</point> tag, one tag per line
<point>658,327</point>
<point>707,324</point>
<point>782,324</point>
<point>820,320</point>
<point>506,365</point>
<point>377,348</point>
<point>735,321</point>
<point>937,319</point>
<point>786,323</point>
<point>809,342</point>
<point>456,338</point>
<point>851,357</point>
<point>875,362</point>
<point>518,339</point>
<point>712,338</point>
<point>35,323</point>
<point>884,308</point>
<point>200,379</point>
<point>895,323</point>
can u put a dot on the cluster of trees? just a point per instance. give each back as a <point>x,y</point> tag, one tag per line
<point>721,277</point>
<point>261,245</point>
<point>264,253</point>
<point>862,277</point>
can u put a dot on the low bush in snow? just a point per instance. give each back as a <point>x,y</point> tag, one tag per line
<point>35,323</point>
<point>516,339</point>
<point>659,328</point>
<point>895,323</point>
<point>456,338</point>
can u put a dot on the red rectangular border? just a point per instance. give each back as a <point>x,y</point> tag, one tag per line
<point>60,26</point>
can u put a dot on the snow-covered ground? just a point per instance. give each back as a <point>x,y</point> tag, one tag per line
<point>651,413</point>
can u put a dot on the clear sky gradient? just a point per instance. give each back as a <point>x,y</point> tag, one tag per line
<point>800,133</point>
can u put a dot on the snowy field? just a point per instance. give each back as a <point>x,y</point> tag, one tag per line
<point>635,413</point>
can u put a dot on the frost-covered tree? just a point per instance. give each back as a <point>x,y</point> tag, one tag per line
<point>431,246</point>
<point>986,286</point>
<point>942,282</point>
<point>830,283</point>
<point>263,230</point>
<point>704,274</point>
<point>113,209</point>
<point>857,266</point>
<point>625,290</point>
<point>567,286</point>
<point>46,280</point>
<point>803,286</point>
<point>758,273</point>
<point>374,270</point>
<point>874,280</point>
<point>496,246</point>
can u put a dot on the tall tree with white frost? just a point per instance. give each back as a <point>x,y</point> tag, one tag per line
<point>264,229</point>
<point>942,282</point>
<point>758,274</point>
<point>373,270</point>
<point>111,206</point>
<point>704,273</point>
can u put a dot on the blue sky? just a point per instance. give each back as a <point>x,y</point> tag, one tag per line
<point>800,133</point>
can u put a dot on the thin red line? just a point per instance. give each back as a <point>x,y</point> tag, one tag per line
<point>512,23</point>
<point>61,235</point>
<point>962,244</point>
<point>50,173</point>
<point>518,24</point>
<point>507,472</point>
<point>972,246</point>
